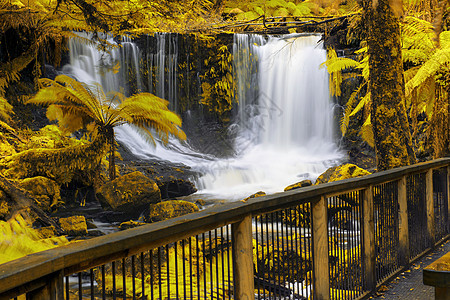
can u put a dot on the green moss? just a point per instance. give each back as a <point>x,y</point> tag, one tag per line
<point>129,193</point>
<point>341,172</point>
<point>45,191</point>
<point>60,165</point>
<point>298,185</point>
<point>47,232</point>
<point>255,195</point>
<point>75,225</point>
<point>170,209</point>
<point>130,224</point>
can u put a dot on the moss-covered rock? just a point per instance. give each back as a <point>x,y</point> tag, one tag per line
<point>298,185</point>
<point>200,202</point>
<point>47,232</point>
<point>255,195</point>
<point>45,191</point>
<point>130,194</point>
<point>341,172</point>
<point>75,225</point>
<point>130,224</point>
<point>170,209</point>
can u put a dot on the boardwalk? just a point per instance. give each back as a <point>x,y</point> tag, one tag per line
<point>408,285</point>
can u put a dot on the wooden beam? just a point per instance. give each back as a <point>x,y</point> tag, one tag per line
<point>243,259</point>
<point>370,280</point>
<point>53,290</point>
<point>447,186</point>
<point>321,279</point>
<point>403,223</point>
<point>430,207</point>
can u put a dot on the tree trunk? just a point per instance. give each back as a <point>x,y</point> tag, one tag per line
<point>393,146</point>
<point>112,154</point>
<point>25,200</point>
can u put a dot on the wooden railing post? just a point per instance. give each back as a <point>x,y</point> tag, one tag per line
<point>430,207</point>
<point>448,199</point>
<point>370,280</point>
<point>243,259</point>
<point>320,250</point>
<point>403,223</point>
<point>54,290</point>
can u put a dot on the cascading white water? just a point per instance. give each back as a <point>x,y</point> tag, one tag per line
<point>285,130</point>
<point>89,65</point>
<point>284,124</point>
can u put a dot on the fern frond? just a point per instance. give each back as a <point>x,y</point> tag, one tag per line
<point>439,59</point>
<point>366,132</point>
<point>345,121</point>
<point>444,39</point>
<point>364,102</point>
<point>335,65</point>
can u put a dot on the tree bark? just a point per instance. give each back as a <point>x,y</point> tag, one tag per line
<point>393,146</point>
<point>112,154</point>
<point>24,200</point>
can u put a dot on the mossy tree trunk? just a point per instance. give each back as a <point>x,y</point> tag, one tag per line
<point>25,200</point>
<point>112,152</point>
<point>391,131</point>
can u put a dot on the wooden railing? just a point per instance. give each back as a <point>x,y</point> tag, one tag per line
<point>353,235</point>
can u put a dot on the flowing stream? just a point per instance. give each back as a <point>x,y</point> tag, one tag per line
<point>284,124</point>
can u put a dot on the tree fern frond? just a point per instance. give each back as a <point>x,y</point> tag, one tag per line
<point>366,132</point>
<point>415,56</point>
<point>365,101</point>
<point>335,65</point>
<point>345,121</point>
<point>444,39</point>
<point>439,59</point>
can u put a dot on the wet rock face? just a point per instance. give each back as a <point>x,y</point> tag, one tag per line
<point>176,188</point>
<point>341,172</point>
<point>170,209</point>
<point>172,179</point>
<point>45,191</point>
<point>129,193</point>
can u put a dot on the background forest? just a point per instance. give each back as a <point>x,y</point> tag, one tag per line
<point>388,63</point>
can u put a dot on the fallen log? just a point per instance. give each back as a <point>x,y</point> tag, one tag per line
<point>23,199</point>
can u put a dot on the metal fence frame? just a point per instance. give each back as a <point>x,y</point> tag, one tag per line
<point>41,275</point>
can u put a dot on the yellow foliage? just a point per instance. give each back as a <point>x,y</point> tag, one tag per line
<point>172,272</point>
<point>57,164</point>
<point>76,105</point>
<point>219,90</point>
<point>251,10</point>
<point>18,238</point>
<point>335,65</point>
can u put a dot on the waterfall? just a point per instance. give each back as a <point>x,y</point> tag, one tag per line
<point>165,61</point>
<point>283,128</point>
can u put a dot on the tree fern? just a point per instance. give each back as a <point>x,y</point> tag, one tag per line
<point>77,105</point>
<point>430,68</point>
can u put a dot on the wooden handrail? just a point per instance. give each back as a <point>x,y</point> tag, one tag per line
<point>65,260</point>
